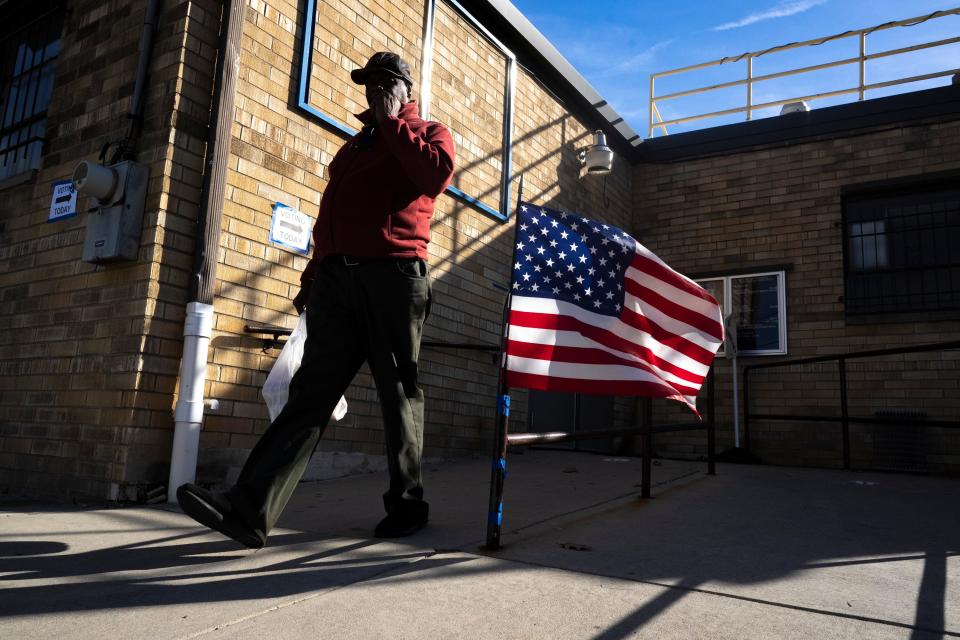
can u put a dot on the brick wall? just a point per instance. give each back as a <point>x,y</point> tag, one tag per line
<point>89,353</point>
<point>754,208</point>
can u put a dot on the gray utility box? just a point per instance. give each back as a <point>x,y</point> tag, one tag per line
<point>114,222</point>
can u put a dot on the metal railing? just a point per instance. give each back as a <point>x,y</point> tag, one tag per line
<point>845,419</point>
<point>646,431</point>
<point>278,332</point>
<point>750,80</point>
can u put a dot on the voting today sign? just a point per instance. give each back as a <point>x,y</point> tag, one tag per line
<point>290,228</point>
<point>63,202</point>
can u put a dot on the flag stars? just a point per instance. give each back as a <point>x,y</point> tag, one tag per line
<point>569,259</point>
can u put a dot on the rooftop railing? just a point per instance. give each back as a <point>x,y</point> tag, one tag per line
<point>656,121</point>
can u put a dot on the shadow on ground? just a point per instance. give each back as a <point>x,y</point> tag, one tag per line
<point>870,549</point>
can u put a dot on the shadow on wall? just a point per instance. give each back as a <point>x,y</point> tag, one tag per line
<point>460,384</point>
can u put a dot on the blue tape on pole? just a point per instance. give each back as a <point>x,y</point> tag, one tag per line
<point>501,464</point>
<point>503,405</point>
<point>496,517</point>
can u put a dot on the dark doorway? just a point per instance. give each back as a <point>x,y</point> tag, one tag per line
<point>572,412</point>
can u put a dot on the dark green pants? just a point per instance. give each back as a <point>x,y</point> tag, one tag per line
<point>372,311</point>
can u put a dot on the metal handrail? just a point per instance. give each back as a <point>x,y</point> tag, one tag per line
<point>861,88</point>
<point>845,419</point>
<point>278,332</point>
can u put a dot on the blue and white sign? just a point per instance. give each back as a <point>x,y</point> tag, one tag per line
<point>63,202</point>
<point>290,228</point>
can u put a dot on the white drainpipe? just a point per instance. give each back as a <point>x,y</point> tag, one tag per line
<point>188,415</point>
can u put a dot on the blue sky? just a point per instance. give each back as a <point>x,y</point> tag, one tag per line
<point>617,44</point>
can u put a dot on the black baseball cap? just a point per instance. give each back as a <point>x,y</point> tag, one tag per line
<point>383,61</point>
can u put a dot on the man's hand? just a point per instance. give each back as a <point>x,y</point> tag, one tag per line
<point>385,104</point>
<point>300,302</point>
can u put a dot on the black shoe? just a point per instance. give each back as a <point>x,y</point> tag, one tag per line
<point>400,524</point>
<point>213,510</point>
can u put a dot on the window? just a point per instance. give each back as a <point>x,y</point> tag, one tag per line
<point>902,251</point>
<point>27,56</point>
<point>483,171</point>
<point>756,303</point>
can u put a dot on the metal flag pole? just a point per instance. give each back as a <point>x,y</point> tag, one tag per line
<point>498,472</point>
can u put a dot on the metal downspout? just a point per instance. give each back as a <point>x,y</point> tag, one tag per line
<point>198,325</point>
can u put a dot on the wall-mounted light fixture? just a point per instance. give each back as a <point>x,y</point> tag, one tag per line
<point>598,157</point>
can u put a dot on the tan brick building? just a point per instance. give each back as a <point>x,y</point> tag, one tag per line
<point>90,353</point>
<point>853,214</point>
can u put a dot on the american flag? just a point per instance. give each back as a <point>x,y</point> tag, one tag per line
<point>594,311</point>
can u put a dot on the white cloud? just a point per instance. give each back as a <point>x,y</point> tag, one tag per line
<point>782,10</point>
<point>638,61</point>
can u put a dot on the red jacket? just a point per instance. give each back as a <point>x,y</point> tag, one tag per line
<point>381,193</point>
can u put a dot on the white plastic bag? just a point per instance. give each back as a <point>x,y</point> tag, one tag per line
<point>277,386</point>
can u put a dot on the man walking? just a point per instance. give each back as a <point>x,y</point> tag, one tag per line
<point>366,296</point>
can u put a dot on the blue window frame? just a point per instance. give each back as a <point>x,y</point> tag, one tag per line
<point>303,92</point>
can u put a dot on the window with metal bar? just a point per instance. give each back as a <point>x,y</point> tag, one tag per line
<point>902,251</point>
<point>28,53</point>
<point>756,304</point>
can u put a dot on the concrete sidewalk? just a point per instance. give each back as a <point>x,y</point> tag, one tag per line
<point>754,552</point>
